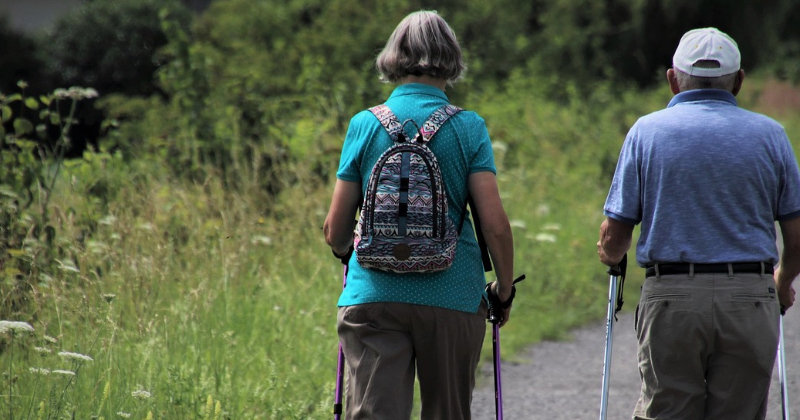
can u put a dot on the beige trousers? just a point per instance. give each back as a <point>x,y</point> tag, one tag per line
<point>707,346</point>
<point>386,343</point>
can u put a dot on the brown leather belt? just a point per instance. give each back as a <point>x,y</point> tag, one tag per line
<point>666,269</point>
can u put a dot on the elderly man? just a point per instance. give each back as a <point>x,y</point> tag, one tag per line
<point>707,180</point>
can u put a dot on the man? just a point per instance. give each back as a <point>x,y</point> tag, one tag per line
<point>707,180</point>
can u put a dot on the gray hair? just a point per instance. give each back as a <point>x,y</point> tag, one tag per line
<point>688,82</point>
<point>422,44</point>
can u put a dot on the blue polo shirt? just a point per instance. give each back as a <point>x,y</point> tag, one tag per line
<point>707,180</point>
<point>462,147</point>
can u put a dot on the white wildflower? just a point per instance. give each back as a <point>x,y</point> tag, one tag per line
<point>50,339</point>
<point>43,350</point>
<point>146,226</point>
<point>124,415</point>
<point>64,372</point>
<point>520,224</point>
<point>551,226</point>
<point>545,237</point>
<point>109,297</point>
<point>75,356</point>
<point>141,394</point>
<point>499,146</point>
<point>261,240</point>
<point>15,326</point>
<point>543,210</point>
<point>40,371</point>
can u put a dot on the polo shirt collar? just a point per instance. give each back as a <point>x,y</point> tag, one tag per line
<point>703,95</point>
<point>418,89</point>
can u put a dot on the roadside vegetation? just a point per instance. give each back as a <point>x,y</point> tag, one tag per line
<point>173,266</point>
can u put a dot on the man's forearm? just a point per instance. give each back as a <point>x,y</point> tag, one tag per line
<point>615,241</point>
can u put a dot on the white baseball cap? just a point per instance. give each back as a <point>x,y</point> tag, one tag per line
<point>707,44</point>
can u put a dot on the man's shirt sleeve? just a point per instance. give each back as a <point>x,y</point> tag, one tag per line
<point>624,197</point>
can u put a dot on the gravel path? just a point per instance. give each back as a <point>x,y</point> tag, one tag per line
<point>563,380</point>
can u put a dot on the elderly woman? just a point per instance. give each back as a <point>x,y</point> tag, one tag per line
<point>432,324</point>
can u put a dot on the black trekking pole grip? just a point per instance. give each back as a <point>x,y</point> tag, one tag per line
<point>621,268</point>
<point>495,306</point>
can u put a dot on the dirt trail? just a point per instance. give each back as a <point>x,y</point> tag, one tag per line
<point>563,380</point>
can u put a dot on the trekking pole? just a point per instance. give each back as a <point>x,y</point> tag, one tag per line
<point>617,275</point>
<point>337,397</point>
<point>496,318</point>
<point>782,369</point>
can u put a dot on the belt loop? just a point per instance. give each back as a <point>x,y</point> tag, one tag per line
<point>658,273</point>
<point>691,271</point>
<point>763,269</point>
<point>730,270</point>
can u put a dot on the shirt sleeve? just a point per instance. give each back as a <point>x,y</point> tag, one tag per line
<point>624,201</point>
<point>789,194</point>
<point>352,151</point>
<point>483,158</point>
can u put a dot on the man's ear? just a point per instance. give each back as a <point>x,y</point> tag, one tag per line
<point>737,85</point>
<point>672,79</point>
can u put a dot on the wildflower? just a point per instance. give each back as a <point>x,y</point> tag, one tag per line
<point>15,326</point>
<point>261,240</point>
<point>50,339</point>
<point>124,415</point>
<point>543,210</point>
<point>40,371</point>
<point>109,297</point>
<point>499,146</point>
<point>520,224</point>
<point>545,237</point>
<point>43,350</point>
<point>551,226</point>
<point>64,372</point>
<point>140,394</point>
<point>75,356</point>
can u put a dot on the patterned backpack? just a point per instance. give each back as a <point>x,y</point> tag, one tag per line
<point>404,226</point>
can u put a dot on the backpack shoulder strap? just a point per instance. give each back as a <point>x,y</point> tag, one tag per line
<point>388,120</point>
<point>436,121</point>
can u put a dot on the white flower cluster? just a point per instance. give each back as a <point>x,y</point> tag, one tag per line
<point>64,372</point>
<point>75,356</point>
<point>75,92</point>
<point>15,326</point>
<point>140,394</point>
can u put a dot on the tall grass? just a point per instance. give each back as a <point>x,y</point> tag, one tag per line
<point>197,300</point>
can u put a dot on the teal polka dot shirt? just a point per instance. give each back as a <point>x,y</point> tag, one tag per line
<point>462,147</point>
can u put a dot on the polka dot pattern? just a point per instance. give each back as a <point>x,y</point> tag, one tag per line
<point>462,146</point>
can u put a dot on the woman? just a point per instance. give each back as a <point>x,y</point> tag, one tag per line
<point>391,324</point>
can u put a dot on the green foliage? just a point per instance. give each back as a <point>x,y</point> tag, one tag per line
<point>29,247</point>
<point>110,45</point>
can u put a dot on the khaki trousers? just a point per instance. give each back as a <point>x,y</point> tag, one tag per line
<point>385,343</point>
<point>707,346</point>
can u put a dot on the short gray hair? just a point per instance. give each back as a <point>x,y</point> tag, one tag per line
<point>688,82</point>
<point>422,44</point>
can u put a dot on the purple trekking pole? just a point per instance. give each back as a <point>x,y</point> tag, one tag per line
<point>337,397</point>
<point>495,317</point>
